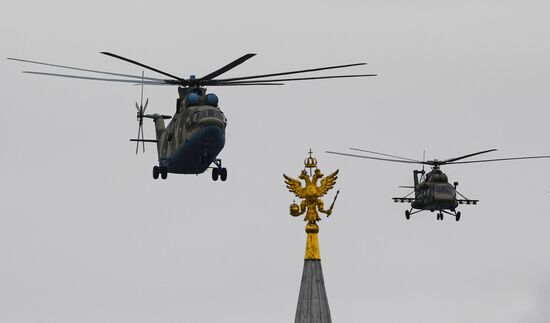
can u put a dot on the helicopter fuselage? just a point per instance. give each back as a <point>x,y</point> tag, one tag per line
<point>435,197</point>
<point>434,193</point>
<point>194,137</point>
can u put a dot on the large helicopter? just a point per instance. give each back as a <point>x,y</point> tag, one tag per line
<point>432,190</point>
<point>192,140</point>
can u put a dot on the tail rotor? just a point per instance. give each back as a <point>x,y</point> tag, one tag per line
<point>140,114</point>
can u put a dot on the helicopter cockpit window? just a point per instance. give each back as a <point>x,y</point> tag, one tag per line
<point>192,119</point>
<point>199,115</point>
<point>443,189</point>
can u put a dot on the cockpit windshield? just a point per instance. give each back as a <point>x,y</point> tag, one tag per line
<point>444,189</point>
<point>207,114</point>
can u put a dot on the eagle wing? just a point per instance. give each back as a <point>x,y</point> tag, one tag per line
<point>295,186</point>
<point>327,183</point>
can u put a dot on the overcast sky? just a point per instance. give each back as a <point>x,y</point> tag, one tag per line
<point>86,234</point>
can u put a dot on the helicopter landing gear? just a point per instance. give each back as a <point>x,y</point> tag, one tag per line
<point>453,213</point>
<point>410,212</point>
<point>219,171</point>
<point>162,171</point>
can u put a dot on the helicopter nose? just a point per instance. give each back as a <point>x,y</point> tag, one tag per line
<point>443,198</point>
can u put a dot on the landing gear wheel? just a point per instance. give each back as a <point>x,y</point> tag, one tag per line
<point>458,216</point>
<point>155,172</point>
<point>407,214</point>
<point>215,174</point>
<point>163,172</point>
<point>440,216</point>
<point>223,174</point>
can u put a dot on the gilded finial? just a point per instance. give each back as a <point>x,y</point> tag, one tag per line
<point>311,203</point>
<point>310,162</point>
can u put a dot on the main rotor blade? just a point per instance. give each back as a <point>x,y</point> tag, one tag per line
<point>228,67</point>
<point>145,66</point>
<point>219,82</point>
<point>498,159</point>
<point>84,69</point>
<point>242,83</point>
<point>164,82</point>
<point>387,155</point>
<point>290,72</point>
<point>465,156</point>
<point>376,158</point>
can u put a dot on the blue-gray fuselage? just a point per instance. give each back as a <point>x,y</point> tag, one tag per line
<point>194,137</point>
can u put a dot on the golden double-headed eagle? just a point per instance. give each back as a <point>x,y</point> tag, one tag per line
<point>311,194</point>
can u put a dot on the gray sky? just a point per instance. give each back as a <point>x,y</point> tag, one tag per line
<point>86,234</point>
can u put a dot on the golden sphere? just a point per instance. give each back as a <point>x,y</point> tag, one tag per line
<point>312,228</point>
<point>294,209</point>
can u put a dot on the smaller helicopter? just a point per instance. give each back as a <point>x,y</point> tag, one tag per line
<point>432,190</point>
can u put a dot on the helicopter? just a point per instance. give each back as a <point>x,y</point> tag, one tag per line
<point>195,135</point>
<point>432,190</point>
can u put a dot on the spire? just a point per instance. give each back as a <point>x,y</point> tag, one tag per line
<point>312,301</point>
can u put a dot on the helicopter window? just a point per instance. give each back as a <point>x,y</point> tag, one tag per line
<point>205,114</point>
<point>192,119</point>
<point>443,189</point>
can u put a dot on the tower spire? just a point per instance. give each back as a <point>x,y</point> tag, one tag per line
<point>312,300</point>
